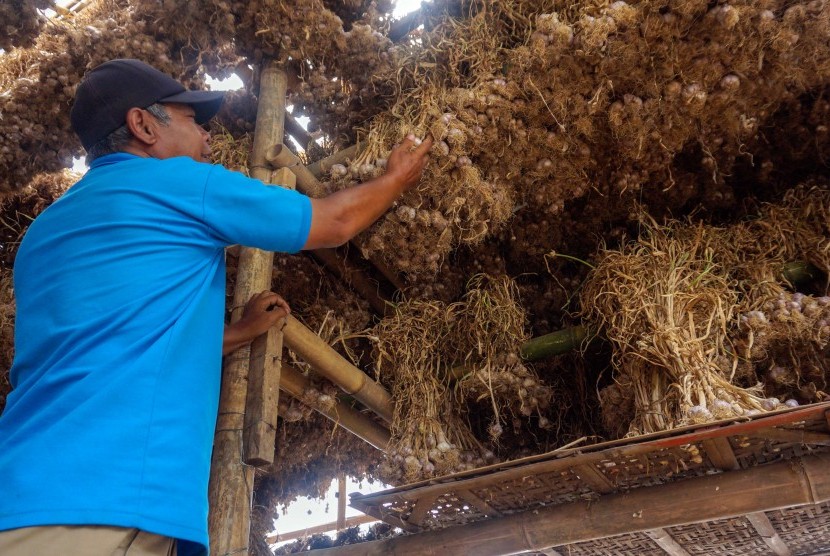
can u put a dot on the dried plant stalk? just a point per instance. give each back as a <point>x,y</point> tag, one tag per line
<point>682,307</point>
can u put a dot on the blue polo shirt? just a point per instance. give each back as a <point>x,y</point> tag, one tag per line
<point>120,289</point>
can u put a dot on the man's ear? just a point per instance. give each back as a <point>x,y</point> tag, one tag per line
<point>142,125</point>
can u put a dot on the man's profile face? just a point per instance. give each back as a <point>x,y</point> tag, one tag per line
<point>183,136</point>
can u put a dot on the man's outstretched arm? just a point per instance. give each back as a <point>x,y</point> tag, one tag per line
<point>342,215</point>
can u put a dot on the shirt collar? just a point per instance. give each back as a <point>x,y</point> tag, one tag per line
<point>111,159</point>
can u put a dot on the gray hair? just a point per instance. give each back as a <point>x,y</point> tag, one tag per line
<point>118,139</point>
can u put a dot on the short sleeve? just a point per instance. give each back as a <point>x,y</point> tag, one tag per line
<point>243,210</point>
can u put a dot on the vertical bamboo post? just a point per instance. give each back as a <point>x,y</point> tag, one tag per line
<point>341,501</point>
<point>260,433</point>
<point>231,482</point>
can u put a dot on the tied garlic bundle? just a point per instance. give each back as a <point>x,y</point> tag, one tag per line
<point>449,366</point>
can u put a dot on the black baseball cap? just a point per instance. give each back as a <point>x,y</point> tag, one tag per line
<point>111,89</point>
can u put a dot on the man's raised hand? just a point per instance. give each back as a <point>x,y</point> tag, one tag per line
<point>407,161</point>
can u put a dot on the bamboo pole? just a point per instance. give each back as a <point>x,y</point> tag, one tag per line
<point>279,156</point>
<point>786,484</point>
<point>570,338</point>
<point>800,272</point>
<point>541,347</point>
<point>295,130</point>
<point>317,353</point>
<point>294,383</point>
<point>322,167</point>
<point>232,482</point>
<point>324,528</point>
<point>555,343</point>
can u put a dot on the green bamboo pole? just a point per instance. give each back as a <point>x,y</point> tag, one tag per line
<point>800,272</point>
<point>536,349</point>
<point>555,343</point>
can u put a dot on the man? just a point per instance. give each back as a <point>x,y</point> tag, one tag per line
<point>106,438</point>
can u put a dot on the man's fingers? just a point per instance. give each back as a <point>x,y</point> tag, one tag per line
<point>407,143</point>
<point>270,301</point>
<point>280,304</point>
<point>425,145</point>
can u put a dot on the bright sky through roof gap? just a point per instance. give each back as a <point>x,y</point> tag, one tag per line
<point>403,7</point>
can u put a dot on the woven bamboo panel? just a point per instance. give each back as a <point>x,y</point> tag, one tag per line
<point>534,490</point>
<point>804,530</point>
<point>634,544</point>
<point>725,536</point>
<point>450,509</point>
<point>398,508</point>
<point>657,467</point>
<point>751,451</point>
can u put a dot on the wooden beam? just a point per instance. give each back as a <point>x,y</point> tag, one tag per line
<point>387,272</point>
<point>307,183</point>
<point>260,435</point>
<point>720,453</point>
<point>232,482</point>
<point>326,361</point>
<point>665,541</point>
<point>763,525</point>
<point>796,436</point>
<point>280,157</point>
<point>392,520</point>
<point>295,384</point>
<point>405,25</point>
<point>324,528</point>
<point>794,482</point>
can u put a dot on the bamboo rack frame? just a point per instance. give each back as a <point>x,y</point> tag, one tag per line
<point>294,383</point>
<point>736,493</point>
<point>620,509</point>
<point>317,353</point>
